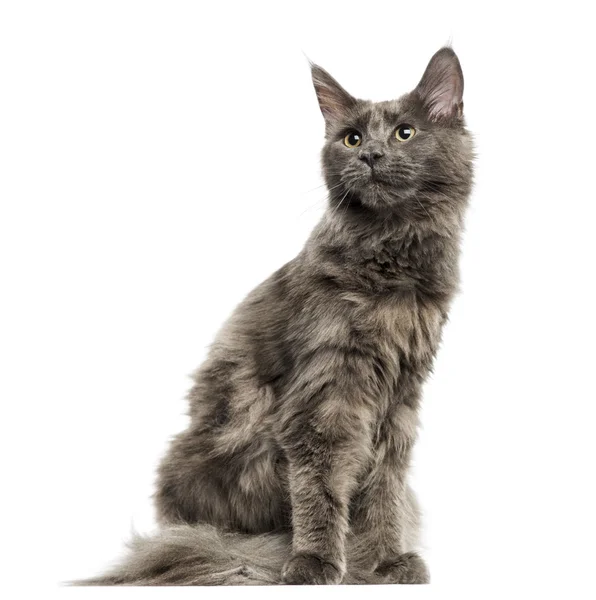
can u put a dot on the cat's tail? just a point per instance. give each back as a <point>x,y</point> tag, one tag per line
<point>199,555</point>
<point>204,555</point>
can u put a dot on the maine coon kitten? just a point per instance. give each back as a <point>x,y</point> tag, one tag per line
<point>294,466</point>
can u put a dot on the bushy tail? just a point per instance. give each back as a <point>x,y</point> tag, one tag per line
<point>199,555</point>
<point>204,555</point>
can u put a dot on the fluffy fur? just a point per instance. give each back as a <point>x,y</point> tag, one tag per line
<point>303,417</point>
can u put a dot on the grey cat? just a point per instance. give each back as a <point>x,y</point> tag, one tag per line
<point>303,417</point>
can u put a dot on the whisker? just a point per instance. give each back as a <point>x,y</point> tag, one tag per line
<point>340,202</point>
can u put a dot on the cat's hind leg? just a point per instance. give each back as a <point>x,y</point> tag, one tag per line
<point>241,490</point>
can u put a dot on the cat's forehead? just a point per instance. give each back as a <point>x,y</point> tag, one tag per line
<point>386,114</point>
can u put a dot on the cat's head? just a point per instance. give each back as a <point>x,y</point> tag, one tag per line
<point>406,156</point>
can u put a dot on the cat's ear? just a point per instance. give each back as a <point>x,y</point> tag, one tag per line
<point>334,101</point>
<point>441,88</point>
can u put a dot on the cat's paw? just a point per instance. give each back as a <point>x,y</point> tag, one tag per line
<point>406,568</point>
<point>310,569</point>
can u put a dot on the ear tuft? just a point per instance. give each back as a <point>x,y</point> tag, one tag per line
<point>441,88</point>
<point>334,101</point>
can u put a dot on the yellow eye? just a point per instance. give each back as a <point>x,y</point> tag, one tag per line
<point>404,133</point>
<point>353,139</point>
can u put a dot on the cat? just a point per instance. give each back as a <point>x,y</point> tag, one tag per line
<point>303,416</point>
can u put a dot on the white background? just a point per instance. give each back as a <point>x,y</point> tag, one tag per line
<point>159,159</point>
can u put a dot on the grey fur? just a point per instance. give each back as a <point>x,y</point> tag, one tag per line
<point>303,417</point>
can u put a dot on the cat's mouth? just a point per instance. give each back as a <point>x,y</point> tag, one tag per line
<point>386,181</point>
<point>376,188</point>
<point>377,178</point>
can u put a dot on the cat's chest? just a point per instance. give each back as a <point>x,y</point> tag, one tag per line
<point>403,325</point>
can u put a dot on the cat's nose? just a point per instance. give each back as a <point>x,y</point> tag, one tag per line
<point>370,155</point>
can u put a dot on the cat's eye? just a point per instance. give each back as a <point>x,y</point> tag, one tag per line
<point>353,139</point>
<point>404,133</point>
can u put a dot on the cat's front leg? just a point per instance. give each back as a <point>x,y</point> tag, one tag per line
<point>384,515</point>
<point>326,433</point>
<point>322,473</point>
<point>383,519</point>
